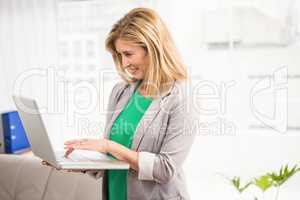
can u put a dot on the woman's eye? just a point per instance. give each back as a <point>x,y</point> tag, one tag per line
<point>127,54</point>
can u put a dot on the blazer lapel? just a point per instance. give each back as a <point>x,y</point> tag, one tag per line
<point>120,106</point>
<point>145,122</point>
<point>147,119</point>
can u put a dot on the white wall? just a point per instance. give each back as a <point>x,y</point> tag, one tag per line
<point>28,40</point>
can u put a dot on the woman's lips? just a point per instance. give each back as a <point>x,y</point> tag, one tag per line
<point>132,70</point>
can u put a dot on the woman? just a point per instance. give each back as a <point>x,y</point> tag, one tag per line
<point>149,124</point>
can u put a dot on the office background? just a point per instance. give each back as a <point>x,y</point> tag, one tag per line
<point>243,57</point>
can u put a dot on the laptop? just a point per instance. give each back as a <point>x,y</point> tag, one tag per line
<point>41,145</point>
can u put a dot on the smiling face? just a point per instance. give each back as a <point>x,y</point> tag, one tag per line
<point>134,59</point>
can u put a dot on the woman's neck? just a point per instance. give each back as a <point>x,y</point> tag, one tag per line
<point>142,91</point>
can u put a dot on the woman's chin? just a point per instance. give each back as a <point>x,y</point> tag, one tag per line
<point>137,77</point>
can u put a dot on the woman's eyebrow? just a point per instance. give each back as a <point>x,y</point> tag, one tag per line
<point>125,51</point>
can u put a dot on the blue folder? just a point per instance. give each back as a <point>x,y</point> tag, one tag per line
<point>15,138</point>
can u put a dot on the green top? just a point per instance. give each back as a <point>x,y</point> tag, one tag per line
<point>122,132</point>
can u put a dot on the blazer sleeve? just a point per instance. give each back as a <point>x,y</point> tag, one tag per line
<point>180,133</point>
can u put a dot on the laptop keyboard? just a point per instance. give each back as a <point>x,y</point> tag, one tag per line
<point>81,156</point>
<point>71,158</point>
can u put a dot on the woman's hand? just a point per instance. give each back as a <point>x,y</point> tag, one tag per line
<point>100,145</point>
<point>104,146</point>
<point>48,164</point>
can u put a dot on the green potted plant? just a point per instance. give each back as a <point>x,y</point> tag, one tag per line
<point>266,181</point>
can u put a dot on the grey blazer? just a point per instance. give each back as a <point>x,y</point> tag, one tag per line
<point>163,139</point>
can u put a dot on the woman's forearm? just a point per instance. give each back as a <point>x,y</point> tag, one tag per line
<point>123,153</point>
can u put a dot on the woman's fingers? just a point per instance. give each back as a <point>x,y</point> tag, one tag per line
<point>79,144</point>
<point>70,142</point>
<point>48,164</point>
<point>77,171</point>
<point>99,145</point>
<point>76,141</point>
<point>45,163</point>
<point>69,151</point>
<point>71,147</point>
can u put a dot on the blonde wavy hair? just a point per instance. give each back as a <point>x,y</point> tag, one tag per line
<point>143,27</point>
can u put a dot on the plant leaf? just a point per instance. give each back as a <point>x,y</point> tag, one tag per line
<point>236,182</point>
<point>283,175</point>
<point>264,182</point>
